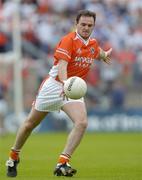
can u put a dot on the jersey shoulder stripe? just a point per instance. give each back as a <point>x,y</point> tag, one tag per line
<point>62,52</point>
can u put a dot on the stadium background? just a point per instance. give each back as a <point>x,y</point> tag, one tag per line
<point>114,99</point>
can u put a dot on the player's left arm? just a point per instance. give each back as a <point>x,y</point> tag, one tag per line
<point>105,55</point>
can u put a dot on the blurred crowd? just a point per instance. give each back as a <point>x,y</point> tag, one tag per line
<point>118,25</point>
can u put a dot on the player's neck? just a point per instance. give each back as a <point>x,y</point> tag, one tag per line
<point>82,39</point>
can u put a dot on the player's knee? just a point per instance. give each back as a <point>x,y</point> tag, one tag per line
<point>82,124</point>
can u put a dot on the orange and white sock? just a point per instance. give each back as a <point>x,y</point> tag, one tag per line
<point>64,158</point>
<point>14,154</point>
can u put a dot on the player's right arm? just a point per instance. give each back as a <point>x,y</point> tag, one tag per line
<point>63,56</point>
<point>62,70</point>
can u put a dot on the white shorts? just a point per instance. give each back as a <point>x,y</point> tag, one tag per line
<point>49,96</point>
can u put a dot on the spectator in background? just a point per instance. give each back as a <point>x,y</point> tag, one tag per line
<point>122,30</point>
<point>3,42</point>
<point>3,109</point>
<point>117,95</point>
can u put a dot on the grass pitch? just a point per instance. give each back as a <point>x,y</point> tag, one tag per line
<point>100,156</point>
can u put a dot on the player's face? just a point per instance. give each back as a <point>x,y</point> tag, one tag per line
<point>85,26</point>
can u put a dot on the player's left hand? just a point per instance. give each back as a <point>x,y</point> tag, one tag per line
<point>107,58</point>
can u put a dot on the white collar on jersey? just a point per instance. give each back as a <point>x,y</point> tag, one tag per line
<point>83,40</point>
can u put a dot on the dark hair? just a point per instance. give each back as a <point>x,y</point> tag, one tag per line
<point>85,13</point>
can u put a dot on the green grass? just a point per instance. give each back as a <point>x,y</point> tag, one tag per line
<point>100,156</point>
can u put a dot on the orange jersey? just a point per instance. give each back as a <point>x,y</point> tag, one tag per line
<point>79,54</point>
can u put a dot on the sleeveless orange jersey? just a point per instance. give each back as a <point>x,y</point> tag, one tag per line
<point>79,54</point>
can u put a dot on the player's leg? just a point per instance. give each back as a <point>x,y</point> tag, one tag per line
<point>33,119</point>
<point>77,112</point>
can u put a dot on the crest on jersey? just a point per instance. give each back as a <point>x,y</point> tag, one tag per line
<point>92,50</point>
